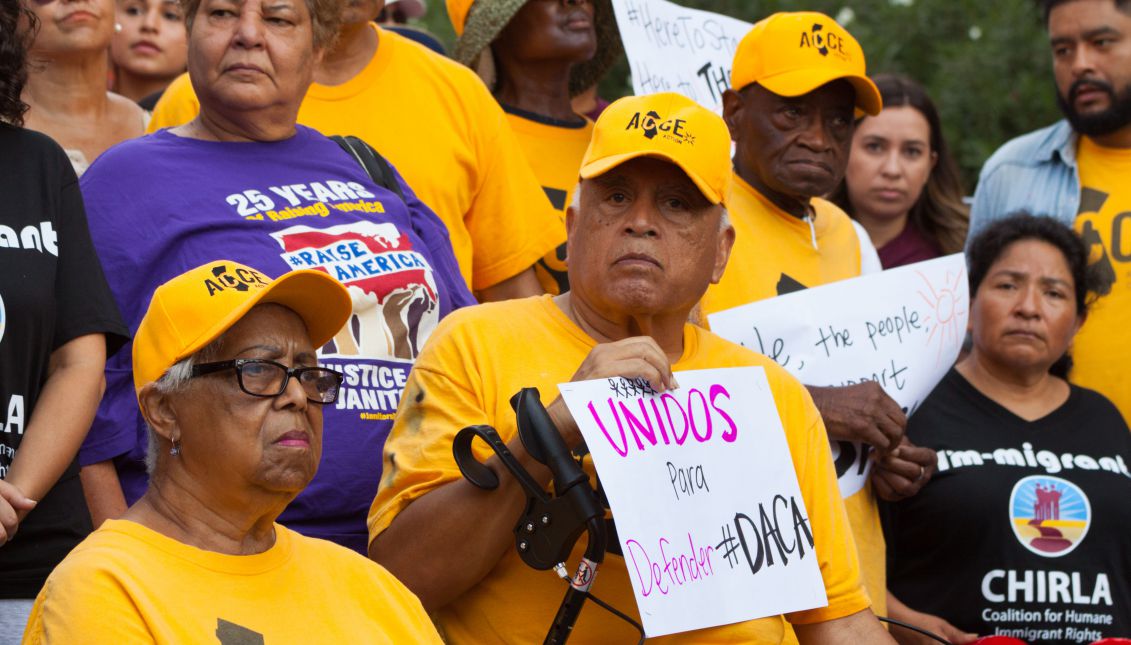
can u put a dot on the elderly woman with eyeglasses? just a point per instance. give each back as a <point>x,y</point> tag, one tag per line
<point>229,383</point>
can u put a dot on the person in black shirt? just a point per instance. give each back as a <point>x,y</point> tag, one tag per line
<point>58,322</point>
<point>1023,530</point>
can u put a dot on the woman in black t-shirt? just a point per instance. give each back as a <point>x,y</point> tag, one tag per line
<point>57,324</point>
<point>1023,530</point>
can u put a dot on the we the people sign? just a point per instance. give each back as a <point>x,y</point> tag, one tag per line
<point>902,328</point>
<point>706,501</point>
<point>675,49</point>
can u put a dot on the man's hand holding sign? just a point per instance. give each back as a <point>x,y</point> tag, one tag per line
<point>878,370</point>
<point>712,523</point>
<point>646,238</point>
<point>864,414</point>
<point>634,359</point>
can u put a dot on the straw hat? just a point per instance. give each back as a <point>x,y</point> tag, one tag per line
<point>479,22</point>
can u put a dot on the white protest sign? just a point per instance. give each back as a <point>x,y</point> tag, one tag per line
<point>675,49</point>
<point>902,328</point>
<point>701,484</point>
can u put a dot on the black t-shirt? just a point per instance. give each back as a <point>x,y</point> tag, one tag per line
<point>148,103</point>
<point>51,291</point>
<point>1026,528</point>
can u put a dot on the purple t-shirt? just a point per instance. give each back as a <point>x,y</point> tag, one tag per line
<point>163,204</point>
<point>910,246</point>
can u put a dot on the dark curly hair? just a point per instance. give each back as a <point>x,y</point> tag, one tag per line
<point>992,242</point>
<point>14,43</point>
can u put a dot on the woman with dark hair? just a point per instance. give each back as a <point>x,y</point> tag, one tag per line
<point>901,183</point>
<point>57,324</point>
<point>535,56</point>
<point>1022,531</point>
<point>149,49</point>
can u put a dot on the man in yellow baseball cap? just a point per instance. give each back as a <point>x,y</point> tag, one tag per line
<point>647,233</point>
<point>797,82</point>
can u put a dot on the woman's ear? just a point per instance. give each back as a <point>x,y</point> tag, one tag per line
<point>157,410</point>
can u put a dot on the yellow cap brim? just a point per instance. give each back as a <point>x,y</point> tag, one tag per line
<point>602,166</point>
<point>802,81</point>
<point>321,301</point>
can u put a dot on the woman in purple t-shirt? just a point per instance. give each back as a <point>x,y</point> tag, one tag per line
<point>901,183</point>
<point>243,181</point>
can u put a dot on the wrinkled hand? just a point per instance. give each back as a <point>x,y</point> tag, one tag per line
<point>631,358</point>
<point>903,472</point>
<point>933,624</point>
<point>12,503</point>
<point>861,412</point>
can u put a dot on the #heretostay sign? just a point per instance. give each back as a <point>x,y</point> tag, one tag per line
<point>675,49</point>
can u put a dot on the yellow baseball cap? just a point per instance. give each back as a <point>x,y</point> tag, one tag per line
<point>195,308</point>
<point>791,54</point>
<point>668,126</point>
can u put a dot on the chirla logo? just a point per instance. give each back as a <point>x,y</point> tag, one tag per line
<point>652,124</point>
<point>1050,516</point>
<point>823,41</point>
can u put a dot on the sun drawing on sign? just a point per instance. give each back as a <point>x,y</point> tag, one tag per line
<point>946,326</point>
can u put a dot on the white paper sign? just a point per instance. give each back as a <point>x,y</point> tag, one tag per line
<point>902,328</point>
<point>695,477</point>
<point>675,49</point>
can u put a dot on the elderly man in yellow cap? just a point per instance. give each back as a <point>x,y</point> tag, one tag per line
<point>227,378</point>
<point>647,234</point>
<point>797,80</point>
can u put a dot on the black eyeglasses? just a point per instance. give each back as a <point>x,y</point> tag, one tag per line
<point>259,377</point>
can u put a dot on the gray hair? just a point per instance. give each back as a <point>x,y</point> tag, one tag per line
<point>724,221</point>
<point>174,381</point>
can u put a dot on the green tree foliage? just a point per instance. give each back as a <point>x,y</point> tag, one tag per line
<point>986,63</point>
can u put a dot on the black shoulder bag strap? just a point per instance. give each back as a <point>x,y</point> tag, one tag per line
<point>379,170</point>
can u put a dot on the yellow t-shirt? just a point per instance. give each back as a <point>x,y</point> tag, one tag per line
<point>126,583</point>
<point>476,360</point>
<point>447,136</point>
<point>775,253</point>
<point>554,150</point>
<point>1101,350</point>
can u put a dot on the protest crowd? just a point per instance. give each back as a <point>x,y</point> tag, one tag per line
<point>206,202</point>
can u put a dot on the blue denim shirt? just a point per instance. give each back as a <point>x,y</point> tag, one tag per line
<point>1035,172</point>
